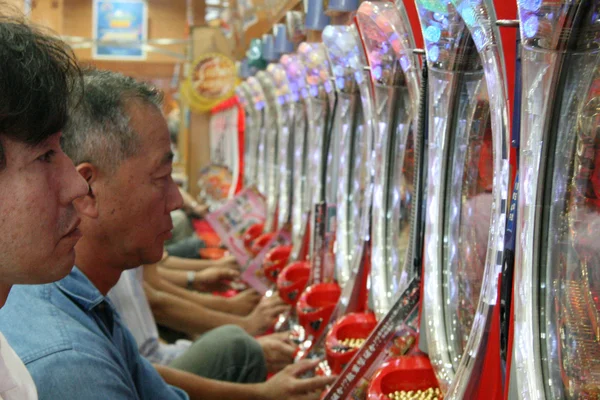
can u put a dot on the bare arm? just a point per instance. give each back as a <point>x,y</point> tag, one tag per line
<point>192,318</point>
<point>185,316</point>
<point>189,264</point>
<point>233,305</point>
<point>284,385</point>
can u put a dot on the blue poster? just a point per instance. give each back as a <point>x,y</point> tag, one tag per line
<point>123,24</point>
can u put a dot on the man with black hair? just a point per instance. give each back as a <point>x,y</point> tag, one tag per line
<point>38,182</point>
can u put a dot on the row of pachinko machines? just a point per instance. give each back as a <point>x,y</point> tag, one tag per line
<point>421,260</point>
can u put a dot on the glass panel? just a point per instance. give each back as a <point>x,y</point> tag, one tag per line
<point>467,213</point>
<point>570,277</point>
<point>549,270</point>
<point>271,131</point>
<point>388,41</point>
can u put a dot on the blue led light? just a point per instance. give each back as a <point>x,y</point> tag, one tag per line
<point>530,26</point>
<point>358,77</point>
<point>314,90</point>
<point>327,86</point>
<point>469,16</point>
<point>433,53</point>
<point>339,82</point>
<point>377,72</point>
<point>338,70</point>
<point>304,93</point>
<point>432,34</point>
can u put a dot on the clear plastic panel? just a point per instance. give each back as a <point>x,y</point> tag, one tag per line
<point>490,205</point>
<point>569,274</point>
<point>348,65</point>
<point>348,115</point>
<point>388,42</point>
<point>467,212</point>
<point>451,57</point>
<point>286,122</point>
<point>272,129</point>
<point>296,74</point>
<point>551,286</point>
<point>258,99</point>
<point>537,89</point>
<point>316,89</point>
<point>440,95</point>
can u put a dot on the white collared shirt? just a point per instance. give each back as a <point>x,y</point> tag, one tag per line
<point>15,380</point>
<point>131,303</point>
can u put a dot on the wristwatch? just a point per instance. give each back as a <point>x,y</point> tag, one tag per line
<point>191,278</point>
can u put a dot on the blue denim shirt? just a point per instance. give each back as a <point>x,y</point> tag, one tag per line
<point>75,346</point>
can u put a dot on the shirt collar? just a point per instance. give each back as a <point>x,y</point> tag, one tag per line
<point>83,292</point>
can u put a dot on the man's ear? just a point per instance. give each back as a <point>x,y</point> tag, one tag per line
<point>87,205</point>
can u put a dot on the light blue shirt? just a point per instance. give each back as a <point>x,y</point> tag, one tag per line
<point>75,346</point>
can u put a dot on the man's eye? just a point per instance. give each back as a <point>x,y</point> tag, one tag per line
<point>47,156</point>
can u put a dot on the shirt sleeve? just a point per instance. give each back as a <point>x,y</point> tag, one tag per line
<point>73,375</point>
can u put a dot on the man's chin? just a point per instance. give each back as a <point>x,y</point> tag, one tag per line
<point>56,269</point>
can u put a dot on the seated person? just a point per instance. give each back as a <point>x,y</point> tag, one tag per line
<point>185,243</point>
<point>194,313</point>
<point>67,333</point>
<point>201,356</point>
<point>38,182</point>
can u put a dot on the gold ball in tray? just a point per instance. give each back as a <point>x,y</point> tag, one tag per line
<point>353,343</point>
<point>425,394</point>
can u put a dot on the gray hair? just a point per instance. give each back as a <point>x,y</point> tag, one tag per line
<point>98,129</point>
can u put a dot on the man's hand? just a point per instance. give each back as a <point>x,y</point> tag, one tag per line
<point>244,302</point>
<point>278,349</point>
<point>214,279</point>
<point>287,385</point>
<point>265,314</point>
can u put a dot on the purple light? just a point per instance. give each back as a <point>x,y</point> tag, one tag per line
<point>530,26</point>
<point>530,5</point>
<point>377,71</point>
<point>433,53</point>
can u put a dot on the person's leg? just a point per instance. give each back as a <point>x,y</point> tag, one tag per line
<point>226,353</point>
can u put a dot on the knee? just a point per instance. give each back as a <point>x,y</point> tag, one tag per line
<point>241,343</point>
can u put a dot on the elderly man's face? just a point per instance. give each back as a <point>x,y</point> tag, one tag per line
<point>135,211</point>
<point>37,219</point>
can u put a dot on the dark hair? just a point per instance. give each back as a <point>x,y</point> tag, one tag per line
<point>98,130</point>
<point>37,73</point>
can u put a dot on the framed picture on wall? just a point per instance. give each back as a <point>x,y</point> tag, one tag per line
<point>120,29</point>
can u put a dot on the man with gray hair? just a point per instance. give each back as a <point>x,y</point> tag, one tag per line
<point>67,333</point>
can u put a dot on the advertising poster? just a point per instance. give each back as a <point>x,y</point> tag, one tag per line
<point>232,220</point>
<point>254,275</point>
<point>124,21</point>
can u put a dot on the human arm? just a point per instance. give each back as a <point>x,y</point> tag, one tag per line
<point>185,316</point>
<point>190,264</point>
<point>284,385</point>
<point>241,304</point>
<point>206,280</point>
<point>278,349</point>
<point>76,375</point>
<point>191,206</point>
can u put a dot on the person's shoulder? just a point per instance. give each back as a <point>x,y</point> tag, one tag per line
<point>37,325</point>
